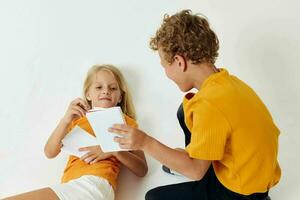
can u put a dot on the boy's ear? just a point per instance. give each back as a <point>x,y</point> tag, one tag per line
<point>181,62</point>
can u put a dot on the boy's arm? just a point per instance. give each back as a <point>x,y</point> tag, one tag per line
<point>135,161</point>
<point>177,160</point>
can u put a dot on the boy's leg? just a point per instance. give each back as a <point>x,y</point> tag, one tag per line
<point>45,194</point>
<point>202,189</point>
<point>208,188</point>
<point>181,191</point>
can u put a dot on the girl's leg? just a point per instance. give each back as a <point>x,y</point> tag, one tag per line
<point>44,194</point>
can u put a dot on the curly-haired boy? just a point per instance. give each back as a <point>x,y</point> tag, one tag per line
<point>232,152</point>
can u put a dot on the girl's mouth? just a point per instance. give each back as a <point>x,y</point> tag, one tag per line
<point>105,99</point>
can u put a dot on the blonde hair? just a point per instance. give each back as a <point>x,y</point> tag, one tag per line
<point>126,103</point>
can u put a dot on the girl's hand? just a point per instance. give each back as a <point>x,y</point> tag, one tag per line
<point>95,154</point>
<point>76,109</point>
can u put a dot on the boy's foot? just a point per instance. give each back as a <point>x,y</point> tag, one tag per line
<point>170,171</point>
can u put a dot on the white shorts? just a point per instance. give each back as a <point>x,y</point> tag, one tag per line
<point>87,187</point>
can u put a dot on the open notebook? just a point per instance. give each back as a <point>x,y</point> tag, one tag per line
<point>77,138</point>
<point>100,120</point>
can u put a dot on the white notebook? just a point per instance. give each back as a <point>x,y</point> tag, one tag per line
<point>102,119</point>
<point>75,139</point>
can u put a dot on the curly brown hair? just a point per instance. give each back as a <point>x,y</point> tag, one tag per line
<point>187,35</point>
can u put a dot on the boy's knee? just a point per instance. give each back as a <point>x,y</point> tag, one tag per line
<point>151,195</point>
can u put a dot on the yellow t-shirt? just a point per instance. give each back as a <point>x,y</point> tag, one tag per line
<point>231,126</point>
<point>107,169</point>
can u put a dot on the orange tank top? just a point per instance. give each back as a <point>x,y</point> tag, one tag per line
<point>107,169</point>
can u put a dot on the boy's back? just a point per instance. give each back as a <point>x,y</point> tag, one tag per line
<point>243,123</point>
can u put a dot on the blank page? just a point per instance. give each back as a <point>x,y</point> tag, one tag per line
<point>75,139</point>
<point>100,121</point>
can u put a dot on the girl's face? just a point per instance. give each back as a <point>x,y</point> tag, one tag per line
<point>104,91</point>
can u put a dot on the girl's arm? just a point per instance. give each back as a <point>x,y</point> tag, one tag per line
<point>135,161</point>
<point>53,145</point>
<point>76,109</point>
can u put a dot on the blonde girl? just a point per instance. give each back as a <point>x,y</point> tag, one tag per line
<point>94,175</point>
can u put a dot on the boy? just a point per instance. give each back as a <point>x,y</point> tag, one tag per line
<point>232,153</point>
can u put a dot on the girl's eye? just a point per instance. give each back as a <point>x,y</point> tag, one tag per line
<point>113,88</point>
<point>99,87</point>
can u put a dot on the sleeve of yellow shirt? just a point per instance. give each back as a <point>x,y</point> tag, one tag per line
<point>131,122</point>
<point>209,131</point>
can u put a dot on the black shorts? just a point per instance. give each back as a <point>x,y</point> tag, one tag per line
<point>208,188</point>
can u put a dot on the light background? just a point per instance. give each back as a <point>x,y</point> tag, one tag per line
<point>46,48</point>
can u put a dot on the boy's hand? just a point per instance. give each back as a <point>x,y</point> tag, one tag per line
<point>95,154</point>
<point>76,109</point>
<point>130,138</point>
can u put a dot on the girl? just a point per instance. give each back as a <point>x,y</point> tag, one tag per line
<point>94,175</point>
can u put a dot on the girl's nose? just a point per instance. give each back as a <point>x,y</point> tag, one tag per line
<point>105,91</point>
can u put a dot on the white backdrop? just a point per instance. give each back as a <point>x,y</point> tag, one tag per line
<point>46,48</point>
